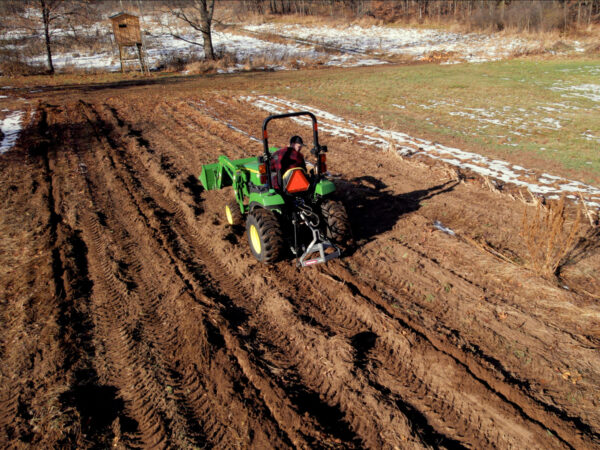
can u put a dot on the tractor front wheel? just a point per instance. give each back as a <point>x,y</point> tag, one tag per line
<point>338,225</point>
<point>233,213</point>
<point>264,235</point>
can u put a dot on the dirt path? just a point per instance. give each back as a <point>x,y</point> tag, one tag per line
<point>132,317</point>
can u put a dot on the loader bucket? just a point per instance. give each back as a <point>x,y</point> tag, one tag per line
<point>209,176</point>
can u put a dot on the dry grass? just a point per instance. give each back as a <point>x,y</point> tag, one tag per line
<point>549,237</point>
<point>13,63</point>
<point>16,67</point>
<point>264,61</point>
<point>593,49</point>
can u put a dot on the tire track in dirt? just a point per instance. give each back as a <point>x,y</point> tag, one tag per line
<point>430,430</point>
<point>223,281</point>
<point>76,165</point>
<point>534,413</point>
<point>207,133</point>
<point>211,258</point>
<point>51,406</point>
<point>145,221</point>
<point>44,315</point>
<point>18,308</point>
<point>494,366</point>
<point>507,383</point>
<point>72,290</point>
<point>160,229</point>
<point>145,327</point>
<point>392,359</point>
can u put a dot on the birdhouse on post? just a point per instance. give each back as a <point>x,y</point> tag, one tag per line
<point>126,28</point>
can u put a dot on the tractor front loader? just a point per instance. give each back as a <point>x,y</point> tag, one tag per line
<point>300,216</point>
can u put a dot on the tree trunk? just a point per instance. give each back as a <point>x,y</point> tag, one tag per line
<point>209,52</point>
<point>206,15</point>
<point>46,19</point>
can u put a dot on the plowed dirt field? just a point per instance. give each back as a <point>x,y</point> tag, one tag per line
<point>133,317</point>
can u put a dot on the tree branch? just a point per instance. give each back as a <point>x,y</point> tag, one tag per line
<point>176,36</point>
<point>192,23</point>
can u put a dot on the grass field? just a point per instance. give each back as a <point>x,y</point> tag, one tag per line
<point>543,114</point>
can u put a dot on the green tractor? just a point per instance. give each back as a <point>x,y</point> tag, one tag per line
<point>301,215</point>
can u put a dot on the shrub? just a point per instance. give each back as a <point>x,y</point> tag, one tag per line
<point>548,237</point>
<point>520,16</point>
<point>12,65</point>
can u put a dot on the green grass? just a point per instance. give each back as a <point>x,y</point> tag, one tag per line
<point>476,107</point>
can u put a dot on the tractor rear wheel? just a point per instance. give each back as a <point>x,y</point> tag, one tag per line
<point>233,213</point>
<point>338,225</point>
<point>264,235</point>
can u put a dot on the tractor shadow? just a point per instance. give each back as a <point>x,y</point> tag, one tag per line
<point>373,208</point>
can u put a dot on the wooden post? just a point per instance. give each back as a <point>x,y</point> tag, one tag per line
<point>121,57</point>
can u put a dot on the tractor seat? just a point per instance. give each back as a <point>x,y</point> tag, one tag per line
<point>294,180</point>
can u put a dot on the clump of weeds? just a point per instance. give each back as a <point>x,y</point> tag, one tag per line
<point>550,238</point>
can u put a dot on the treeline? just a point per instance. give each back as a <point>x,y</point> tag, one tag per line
<point>522,15</point>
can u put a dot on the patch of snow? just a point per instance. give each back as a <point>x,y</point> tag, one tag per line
<point>11,127</point>
<point>588,91</point>
<point>545,181</point>
<point>590,137</point>
<point>518,121</point>
<point>402,41</point>
<point>349,60</point>
<point>552,122</point>
<point>441,227</point>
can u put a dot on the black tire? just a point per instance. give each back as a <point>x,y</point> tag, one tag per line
<point>233,215</point>
<point>264,235</point>
<point>339,231</point>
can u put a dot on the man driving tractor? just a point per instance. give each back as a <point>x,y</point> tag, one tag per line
<point>287,158</point>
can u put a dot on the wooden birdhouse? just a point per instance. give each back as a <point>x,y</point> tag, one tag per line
<point>126,28</point>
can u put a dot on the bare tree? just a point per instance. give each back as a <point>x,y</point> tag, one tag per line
<point>47,8</point>
<point>52,11</point>
<point>198,14</point>
<point>43,17</point>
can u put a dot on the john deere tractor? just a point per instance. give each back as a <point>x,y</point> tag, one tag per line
<point>301,215</point>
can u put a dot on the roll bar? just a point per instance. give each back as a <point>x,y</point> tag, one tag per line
<point>316,147</point>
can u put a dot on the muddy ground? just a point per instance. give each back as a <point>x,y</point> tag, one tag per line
<point>133,317</point>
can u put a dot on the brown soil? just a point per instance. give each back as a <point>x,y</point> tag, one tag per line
<point>132,316</point>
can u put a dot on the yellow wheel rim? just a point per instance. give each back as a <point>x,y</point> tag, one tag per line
<point>228,214</point>
<point>255,239</point>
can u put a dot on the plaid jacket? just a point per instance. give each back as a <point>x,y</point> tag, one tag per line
<point>282,160</point>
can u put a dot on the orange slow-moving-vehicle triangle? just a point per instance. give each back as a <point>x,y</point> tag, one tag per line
<point>297,182</point>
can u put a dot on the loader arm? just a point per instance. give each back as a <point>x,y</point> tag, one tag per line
<point>228,173</point>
